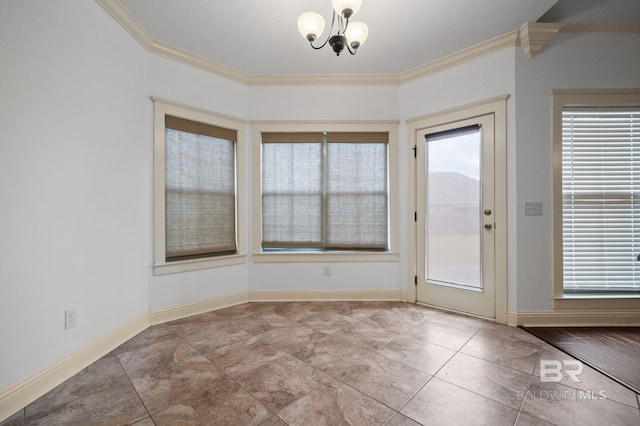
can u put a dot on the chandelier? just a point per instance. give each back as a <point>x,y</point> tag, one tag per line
<point>350,34</point>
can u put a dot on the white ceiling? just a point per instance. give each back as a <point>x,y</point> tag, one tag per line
<point>260,37</point>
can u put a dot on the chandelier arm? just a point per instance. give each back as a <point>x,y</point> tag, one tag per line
<point>343,23</point>
<point>333,20</point>
<point>353,52</point>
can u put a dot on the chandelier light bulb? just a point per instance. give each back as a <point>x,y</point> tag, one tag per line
<point>356,34</point>
<point>346,8</point>
<point>310,25</point>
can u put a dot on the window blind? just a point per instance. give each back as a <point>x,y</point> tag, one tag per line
<point>325,192</point>
<point>200,196</point>
<point>601,199</point>
<point>356,196</point>
<point>292,190</point>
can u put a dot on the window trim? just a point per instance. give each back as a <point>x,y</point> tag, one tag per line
<point>164,107</point>
<point>560,99</point>
<point>258,127</point>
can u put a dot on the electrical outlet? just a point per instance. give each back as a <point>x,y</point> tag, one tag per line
<point>622,319</point>
<point>70,318</point>
<point>533,208</point>
<point>326,271</point>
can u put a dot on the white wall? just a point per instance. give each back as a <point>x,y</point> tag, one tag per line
<point>309,276</point>
<point>76,173</point>
<point>569,61</point>
<point>323,102</point>
<point>483,78</point>
<point>75,179</point>
<point>177,82</point>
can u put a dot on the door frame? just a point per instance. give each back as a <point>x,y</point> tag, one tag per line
<point>498,107</point>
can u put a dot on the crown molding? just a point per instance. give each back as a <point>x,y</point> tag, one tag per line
<point>589,92</point>
<point>325,79</point>
<point>532,36</point>
<point>495,44</point>
<point>171,52</point>
<point>129,22</point>
<point>485,48</point>
<point>600,27</point>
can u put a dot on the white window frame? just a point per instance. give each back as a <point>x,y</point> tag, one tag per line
<point>259,127</point>
<point>559,100</point>
<point>164,107</point>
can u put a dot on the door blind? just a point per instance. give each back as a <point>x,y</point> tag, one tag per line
<point>601,199</point>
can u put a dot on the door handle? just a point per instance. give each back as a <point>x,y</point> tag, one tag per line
<point>487,212</point>
<point>488,226</point>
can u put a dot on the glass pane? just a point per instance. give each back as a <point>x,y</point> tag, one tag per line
<point>452,213</point>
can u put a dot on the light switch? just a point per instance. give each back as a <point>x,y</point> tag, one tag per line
<point>532,208</point>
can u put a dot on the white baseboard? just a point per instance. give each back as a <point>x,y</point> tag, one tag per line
<point>391,294</point>
<point>575,318</point>
<point>160,316</point>
<point>33,387</point>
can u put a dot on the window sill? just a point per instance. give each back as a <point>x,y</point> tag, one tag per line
<point>596,301</point>
<point>326,257</point>
<point>197,264</point>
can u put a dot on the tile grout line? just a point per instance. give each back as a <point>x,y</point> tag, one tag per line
<point>134,388</point>
<point>483,396</point>
<point>332,376</point>
<point>275,413</point>
<point>229,377</point>
<point>434,374</point>
<point>482,359</point>
<point>179,336</point>
<point>529,385</point>
<point>223,369</point>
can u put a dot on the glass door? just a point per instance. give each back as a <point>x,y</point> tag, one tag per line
<point>455,216</point>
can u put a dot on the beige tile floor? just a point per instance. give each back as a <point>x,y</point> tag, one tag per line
<point>330,363</point>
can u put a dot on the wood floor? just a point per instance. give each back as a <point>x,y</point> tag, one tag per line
<point>614,351</point>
